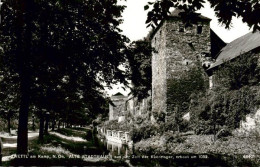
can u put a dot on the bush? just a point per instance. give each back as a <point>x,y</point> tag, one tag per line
<point>144,132</point>
<point>224,132</point>
<point>174,137</point>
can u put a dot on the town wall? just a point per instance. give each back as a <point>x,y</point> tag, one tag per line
<point>176,51</point>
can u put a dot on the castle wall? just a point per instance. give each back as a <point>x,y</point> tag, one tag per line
<point>184,49</point>
<point>176,52</point>
<point>159,71</point>
<point>118,109</point>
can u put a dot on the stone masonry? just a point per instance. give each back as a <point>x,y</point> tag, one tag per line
<point>119,106</point>
<point>177,49</point>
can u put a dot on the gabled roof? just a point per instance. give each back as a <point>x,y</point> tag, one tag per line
<point>216,44</point>
<point>118,94</point>
<point>237,47</point>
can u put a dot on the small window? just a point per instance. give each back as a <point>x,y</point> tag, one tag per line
<point>187,63</point>
<point>199,29</point>
<point>191,46</point>
<point>181,28</point>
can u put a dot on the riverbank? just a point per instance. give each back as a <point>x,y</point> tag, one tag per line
<point>64,147</point>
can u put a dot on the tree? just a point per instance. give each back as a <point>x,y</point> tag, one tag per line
<point>140,70</point>
<point>249,11</point>
<point>9,96</point>
<point>74,41</point>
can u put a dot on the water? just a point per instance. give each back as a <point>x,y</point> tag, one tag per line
<point>116,149</point>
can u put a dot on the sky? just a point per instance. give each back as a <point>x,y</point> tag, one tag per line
<point>134,26</point>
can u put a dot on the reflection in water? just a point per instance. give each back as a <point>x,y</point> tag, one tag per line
<point>116,149</point>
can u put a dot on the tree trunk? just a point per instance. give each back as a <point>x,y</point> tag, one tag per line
<point>46,124</point>
<point>53,124</point>
<point>9,122</point>
<point>23,36</point>
<point>22,140</point>
<point>59,124</point>
<point>41,127</point>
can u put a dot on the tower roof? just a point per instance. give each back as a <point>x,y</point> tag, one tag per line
<point>177,13</point>
<point>118,94</point>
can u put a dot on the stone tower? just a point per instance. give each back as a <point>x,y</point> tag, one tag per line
<point>178,48</point>
<point>119,106</point>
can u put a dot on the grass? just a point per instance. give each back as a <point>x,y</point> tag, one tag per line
<point>86,134</point>
<point>58,150</point>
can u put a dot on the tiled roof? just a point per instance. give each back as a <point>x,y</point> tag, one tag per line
<point>237,47</point>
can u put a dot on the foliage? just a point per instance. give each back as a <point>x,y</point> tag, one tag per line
<point>174,137</point>
<point>242,71</point>
<point>220,150</point>
<point>61,51</point>
<point>159,116</point>
<point>235,95</point>
<point>224,10</point>
<point>140,74</point>
<point>115,125</point>
<point>224,132</point>
<point>182,91</point>
<point>143,132</point>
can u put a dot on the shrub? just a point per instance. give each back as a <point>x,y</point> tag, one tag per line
<point>144,132</point>
<point>174,137</point>
<point>224,132</point>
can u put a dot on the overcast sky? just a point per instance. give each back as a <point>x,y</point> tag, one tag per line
<point>134,26</point>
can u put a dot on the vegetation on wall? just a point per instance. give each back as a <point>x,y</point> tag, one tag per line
<point>181,91</point>
<point>235,94</point>
<point>242,71</point>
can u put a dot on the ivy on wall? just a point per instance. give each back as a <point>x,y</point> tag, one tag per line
<point>236,93</point>
<point>180,89</point>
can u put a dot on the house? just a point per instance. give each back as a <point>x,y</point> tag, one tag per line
<point>245,44</point>
<point>249,43</point>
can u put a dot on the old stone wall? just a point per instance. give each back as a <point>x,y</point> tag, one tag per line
<point>185,49</point>
<point>118,108</point>
<point>177,50</point>
<point>159,71</point>
<point>128,106</point>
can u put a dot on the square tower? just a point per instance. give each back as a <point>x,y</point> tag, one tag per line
<point>177,49</point>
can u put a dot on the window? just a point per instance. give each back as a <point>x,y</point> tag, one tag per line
<point>199,29</point>
<point>191,46</point>
<point>181,28</point>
